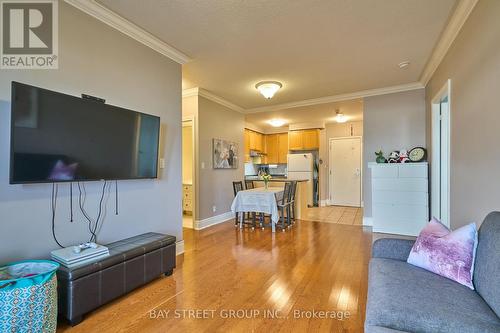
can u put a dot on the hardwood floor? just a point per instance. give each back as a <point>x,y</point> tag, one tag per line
<point>232,273</point>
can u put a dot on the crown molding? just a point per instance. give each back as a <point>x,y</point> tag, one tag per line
<point>105,15</point>
<point>339,98</point>
<point>450,32</point>
<point>190,92</point>
<point>214,98</point>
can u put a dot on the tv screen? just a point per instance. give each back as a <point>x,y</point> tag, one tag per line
<point>60,138</point>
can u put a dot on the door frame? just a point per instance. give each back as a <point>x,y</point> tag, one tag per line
<point>190,121</point>
<point>330,166</point>
<point>440,201</point>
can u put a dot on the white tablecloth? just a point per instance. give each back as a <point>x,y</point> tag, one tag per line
<point>258,200</point>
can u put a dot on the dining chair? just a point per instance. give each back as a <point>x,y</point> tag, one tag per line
<point>292,201</point>
<point>249,184</point>
<point>237,186</point>
<point>284,206</point>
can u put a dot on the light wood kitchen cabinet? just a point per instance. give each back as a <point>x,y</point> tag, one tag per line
<point>282,147</point>
<point>295,140</point>
<point>311,139</point>
<point>276,148</point>
<point>256,140</point>
<point>303,139</point>
<point>246,141</point>
<point>259,142</point>
<point>272,148</point>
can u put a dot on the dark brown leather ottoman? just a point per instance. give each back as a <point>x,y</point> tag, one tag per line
<point>132,262</point>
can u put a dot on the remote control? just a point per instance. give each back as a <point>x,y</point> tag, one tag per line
<point>84,246</point>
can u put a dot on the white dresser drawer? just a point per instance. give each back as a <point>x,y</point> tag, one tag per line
<point>385,171</point>
<point>405,211</point>
<point>400,184</point>
<point>399,226</point>
<point>400,197</point>
<point>413,170</point>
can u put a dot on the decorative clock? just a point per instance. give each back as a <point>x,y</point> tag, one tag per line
<point>417,154</point>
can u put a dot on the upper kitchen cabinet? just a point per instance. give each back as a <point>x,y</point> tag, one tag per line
<point>247,146</point>
<point>303,139</point>
<point>276,148</point>
<point>282,147</point>
<point>272,148</point>
<point>295,141</point>
<point>254,140</point>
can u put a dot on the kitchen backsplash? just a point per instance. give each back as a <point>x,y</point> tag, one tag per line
<point>274,169</point>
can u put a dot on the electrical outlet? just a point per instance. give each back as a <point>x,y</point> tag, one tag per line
<point>203,165</point>
<point>162,163</point>
<point>214,209</point>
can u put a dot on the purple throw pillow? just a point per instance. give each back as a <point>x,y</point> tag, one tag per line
<point>448,253</point>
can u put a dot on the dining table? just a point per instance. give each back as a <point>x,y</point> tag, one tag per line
<point>258,200</point>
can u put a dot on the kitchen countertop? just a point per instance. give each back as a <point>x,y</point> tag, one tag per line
<point>276,180</point>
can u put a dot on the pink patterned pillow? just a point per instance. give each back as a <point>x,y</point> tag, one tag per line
<point>448,253</point>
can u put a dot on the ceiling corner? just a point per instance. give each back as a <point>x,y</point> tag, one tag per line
<point>450,32</point>
<point>105,15</point>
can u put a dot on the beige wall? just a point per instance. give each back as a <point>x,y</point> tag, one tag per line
<point>333,130</point>
<point>97,60</point>
<point>473,65</point>
<point>187,154</point>
<point>391,122</point>
<point>189,107</point>
<point>214,186</point>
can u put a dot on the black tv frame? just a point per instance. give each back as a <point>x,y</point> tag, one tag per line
<point>11,153</point>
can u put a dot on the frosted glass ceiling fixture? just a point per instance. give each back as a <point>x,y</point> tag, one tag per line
<point>340,118</point>
<point>276,122</point>
<point>268,88</point>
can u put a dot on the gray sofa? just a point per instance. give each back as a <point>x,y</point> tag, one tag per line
<point>405,298</point>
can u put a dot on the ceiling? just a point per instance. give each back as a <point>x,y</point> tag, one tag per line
<point>316,48</point>
<point>353,110</point>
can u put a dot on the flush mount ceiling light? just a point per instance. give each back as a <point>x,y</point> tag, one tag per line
<point>268,88</point>
<point>276,122</point>
<point>340,118</point>
<point>404,64</point>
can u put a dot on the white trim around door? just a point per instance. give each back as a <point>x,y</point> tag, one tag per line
<point>441,154</point>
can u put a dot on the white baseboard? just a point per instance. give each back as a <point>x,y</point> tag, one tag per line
<point>205,223</point>
<point>323,203</point>
<point>179,247</point>
<point>367,221</point>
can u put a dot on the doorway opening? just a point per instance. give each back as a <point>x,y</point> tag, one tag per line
<point>440,169</point>
<point>345,175</point>
<point>188,196</point>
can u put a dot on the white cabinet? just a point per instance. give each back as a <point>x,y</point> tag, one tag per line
<point>187,198</point>
<point>400,197</point>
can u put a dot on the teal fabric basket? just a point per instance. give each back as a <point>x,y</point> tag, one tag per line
<point>28,297</point>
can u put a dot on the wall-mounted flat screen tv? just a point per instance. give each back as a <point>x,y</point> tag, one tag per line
<point>61,138</point>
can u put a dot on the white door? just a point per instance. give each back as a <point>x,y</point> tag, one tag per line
<point>345,171</point>
<point>440,182</point>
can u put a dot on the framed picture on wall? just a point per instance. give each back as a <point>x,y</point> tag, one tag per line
<point>225,154</point>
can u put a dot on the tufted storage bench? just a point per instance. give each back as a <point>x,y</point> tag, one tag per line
<point>131,263</point>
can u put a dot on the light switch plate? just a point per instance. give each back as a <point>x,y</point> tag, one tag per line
<point>203,165</point>
<point>162,163</point>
